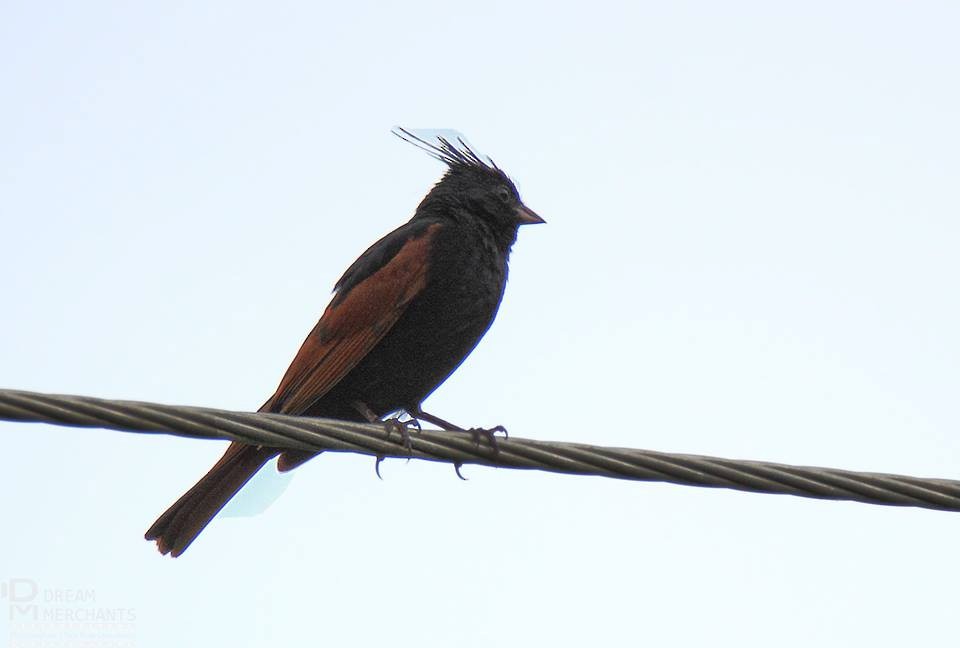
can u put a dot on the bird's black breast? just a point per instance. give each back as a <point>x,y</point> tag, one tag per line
<point>466,275</point>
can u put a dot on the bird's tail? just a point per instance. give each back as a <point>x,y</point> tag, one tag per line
<point>182,523</point>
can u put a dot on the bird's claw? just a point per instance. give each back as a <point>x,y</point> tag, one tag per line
<point>376,467</point>
<point>403,429</point>
<point>456,467</point>
<point>490,434</point>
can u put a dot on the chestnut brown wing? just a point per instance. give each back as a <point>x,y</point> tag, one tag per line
<point>352,325</point>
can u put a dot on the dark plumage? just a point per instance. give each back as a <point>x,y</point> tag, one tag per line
<point>402,319</point>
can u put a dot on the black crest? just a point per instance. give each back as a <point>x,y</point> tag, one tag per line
<point>451,148</point>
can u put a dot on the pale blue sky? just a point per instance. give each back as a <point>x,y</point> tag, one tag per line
<point>751,251</point>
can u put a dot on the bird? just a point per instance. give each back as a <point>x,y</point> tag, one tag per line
<point>401,319</point>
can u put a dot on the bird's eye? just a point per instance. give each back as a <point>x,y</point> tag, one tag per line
<point>504,194</point>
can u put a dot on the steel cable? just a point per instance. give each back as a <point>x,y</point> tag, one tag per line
<point>318,434</point>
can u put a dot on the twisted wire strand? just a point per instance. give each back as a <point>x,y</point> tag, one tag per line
<point>305,433</point>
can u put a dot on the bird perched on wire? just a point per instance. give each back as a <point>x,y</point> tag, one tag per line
<point>402,319</point>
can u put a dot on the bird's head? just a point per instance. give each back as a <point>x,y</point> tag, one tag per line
<point>472,186</point>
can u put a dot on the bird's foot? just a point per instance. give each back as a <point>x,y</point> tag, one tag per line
<point>490,434</point>
<point>403,428</point>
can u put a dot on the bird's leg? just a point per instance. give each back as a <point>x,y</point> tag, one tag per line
<point>418,413</point>
<point>391,425</point>
<point>490,434</point>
